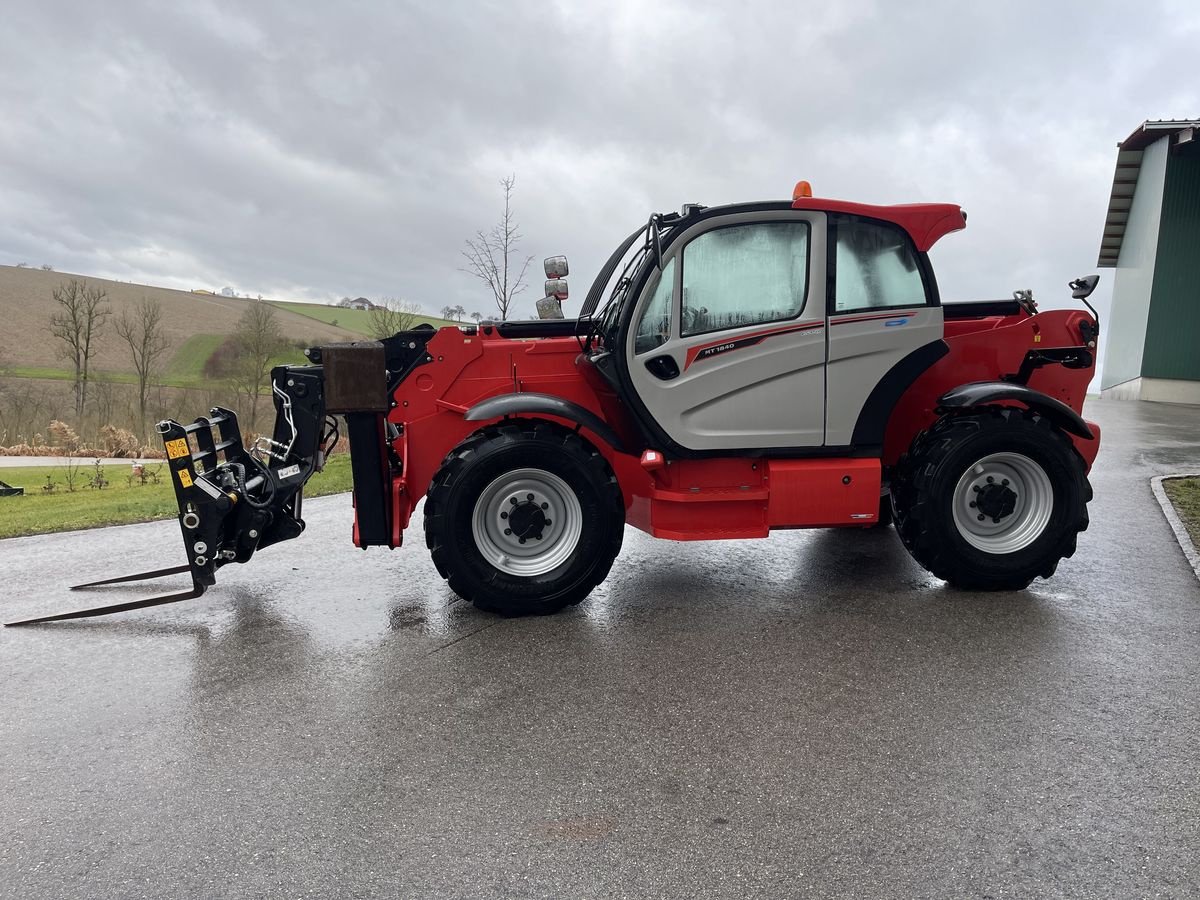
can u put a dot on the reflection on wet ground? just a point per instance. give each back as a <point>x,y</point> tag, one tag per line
<point>810,712</point>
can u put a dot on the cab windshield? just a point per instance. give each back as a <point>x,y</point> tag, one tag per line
<point>602,327</point>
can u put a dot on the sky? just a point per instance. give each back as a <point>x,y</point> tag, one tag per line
<point>313,150</point>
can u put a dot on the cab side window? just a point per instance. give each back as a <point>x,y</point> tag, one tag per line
<point>655,325</point>
<point>744,275</point>
<point>876,267</point>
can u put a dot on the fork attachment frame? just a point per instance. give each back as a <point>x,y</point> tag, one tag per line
<point>234,501</point>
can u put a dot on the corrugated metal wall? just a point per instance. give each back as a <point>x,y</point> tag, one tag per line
<point>1172,347</point>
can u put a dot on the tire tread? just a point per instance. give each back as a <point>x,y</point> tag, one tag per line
<point>917,508</point>
<point>490,439</point>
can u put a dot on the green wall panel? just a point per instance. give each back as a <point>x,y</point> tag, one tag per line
<point>1172,347</point>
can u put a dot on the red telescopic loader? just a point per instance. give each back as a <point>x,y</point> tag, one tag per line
<point>733,370</point>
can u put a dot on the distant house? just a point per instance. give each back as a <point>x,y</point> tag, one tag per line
<point>361,303</point>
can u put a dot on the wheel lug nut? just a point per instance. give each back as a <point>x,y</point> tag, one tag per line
<point>548,523</point>
<point>512,500</point>
<point>976,488</point>
<point>504,515</point>
<point>545,506</point>
<point>972,504</point>
<point>521,540</point>
<point>529,497</point>
<point>1004,481</point>
<point>990,479</point>
<point>982,517</point>
<point>995,521</point>
<point>508,531</point>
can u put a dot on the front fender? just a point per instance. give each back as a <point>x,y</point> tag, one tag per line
<point>978,393</point>
<point>546,404</point>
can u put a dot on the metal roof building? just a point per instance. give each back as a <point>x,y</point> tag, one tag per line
<point>1152,239</point>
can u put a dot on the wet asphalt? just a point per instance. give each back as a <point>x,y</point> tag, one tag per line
<point>809,715</point>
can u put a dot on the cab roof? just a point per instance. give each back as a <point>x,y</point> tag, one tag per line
<point>925,223</point>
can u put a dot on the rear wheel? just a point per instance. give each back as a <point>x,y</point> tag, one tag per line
<point>524,518</point>
<point>992,499</point>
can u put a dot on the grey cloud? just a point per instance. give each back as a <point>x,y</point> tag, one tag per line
<point>313,150</point>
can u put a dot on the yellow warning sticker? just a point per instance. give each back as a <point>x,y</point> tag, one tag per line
<point>177,448</point>
<point>185,477</point>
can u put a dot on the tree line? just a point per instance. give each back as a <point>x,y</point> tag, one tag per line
<point>79,323</point>
<point>83,321</point>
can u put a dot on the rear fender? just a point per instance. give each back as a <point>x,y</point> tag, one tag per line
<point>980,393</point>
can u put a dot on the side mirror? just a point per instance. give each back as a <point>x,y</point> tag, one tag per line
<point>556,267</point>
<point>557,288</point>
<point>549,308</point>
<point>1081,288</point>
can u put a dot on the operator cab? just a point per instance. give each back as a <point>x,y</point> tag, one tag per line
<point>773,326</point>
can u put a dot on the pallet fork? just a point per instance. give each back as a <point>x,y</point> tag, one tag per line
<point>233,501</point>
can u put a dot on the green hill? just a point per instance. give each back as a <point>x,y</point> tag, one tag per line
<point>357,320</point>
<point>195,325</point>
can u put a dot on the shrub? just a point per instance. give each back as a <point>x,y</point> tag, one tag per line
<point>64,436</point>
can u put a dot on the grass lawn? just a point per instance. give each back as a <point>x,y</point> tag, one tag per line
<point>49,374</point>
<point>188,361</point>
<point>352,319</point>
<point>120,503</point>
<point>52,374</point>
<point>1184,494</point>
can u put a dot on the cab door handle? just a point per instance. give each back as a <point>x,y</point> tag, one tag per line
<point>663,367</point>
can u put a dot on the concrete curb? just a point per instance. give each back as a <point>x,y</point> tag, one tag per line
<point>1181,535</point>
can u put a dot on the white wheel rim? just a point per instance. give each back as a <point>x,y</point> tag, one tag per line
<point>1003,503</point>
<point>527,522</point>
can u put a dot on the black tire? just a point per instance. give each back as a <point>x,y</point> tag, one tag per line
<point>927,487</point>
<point>480,462</point>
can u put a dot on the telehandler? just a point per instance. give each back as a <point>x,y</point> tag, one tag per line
<point>733,370</point>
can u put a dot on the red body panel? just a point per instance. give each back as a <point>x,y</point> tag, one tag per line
<point>983,349</point>
<point>684,499</point>
<point>708,498</point>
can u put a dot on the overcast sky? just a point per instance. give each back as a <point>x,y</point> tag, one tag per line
<point>311,150</point>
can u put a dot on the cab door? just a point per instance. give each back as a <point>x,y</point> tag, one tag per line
<point>726,348</point>
<point>883,308</point>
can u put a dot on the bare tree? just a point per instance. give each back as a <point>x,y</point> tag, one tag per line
<point>22,410</point>
<point>142,331</point>
<point>102,402</point>
<point>447,312</point>
<point>477,316</point>
<point>390,315</point>
<point>492,256</point>
<point>258,340</point>
<point>78,322</point>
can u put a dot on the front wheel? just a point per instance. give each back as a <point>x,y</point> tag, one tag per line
<point>524,518</point>
<point>992,499</point>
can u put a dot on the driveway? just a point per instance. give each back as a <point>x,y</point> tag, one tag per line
<point>806,715</point>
